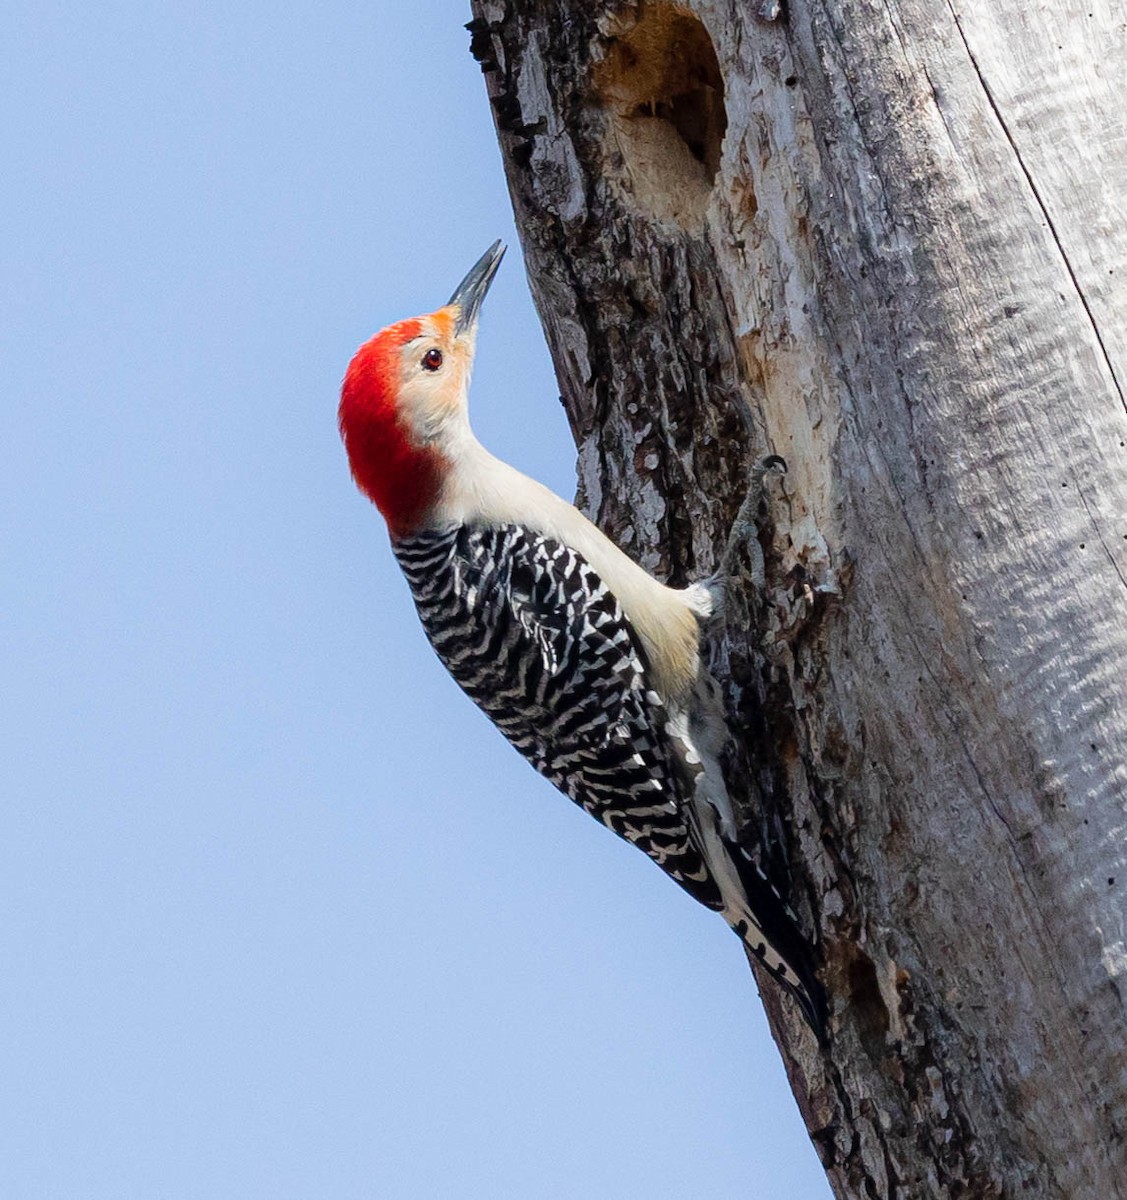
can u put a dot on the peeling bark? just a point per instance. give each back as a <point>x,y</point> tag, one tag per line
<point>889,242</point>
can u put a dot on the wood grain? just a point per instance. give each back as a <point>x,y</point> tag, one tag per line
<point>889,242</point>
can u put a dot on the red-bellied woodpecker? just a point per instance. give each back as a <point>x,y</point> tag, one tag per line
<point>588,665</point>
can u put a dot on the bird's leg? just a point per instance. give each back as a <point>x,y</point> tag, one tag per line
<point>744,526</point>
<point>743,530</point>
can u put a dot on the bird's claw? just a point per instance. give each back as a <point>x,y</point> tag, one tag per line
<point>744,528</point>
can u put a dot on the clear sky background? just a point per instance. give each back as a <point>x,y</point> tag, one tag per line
<point>281,916</point>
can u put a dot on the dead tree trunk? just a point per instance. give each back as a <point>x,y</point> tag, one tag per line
<point>889,242</point>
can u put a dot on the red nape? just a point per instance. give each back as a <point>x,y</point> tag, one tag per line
<point>401,479</point>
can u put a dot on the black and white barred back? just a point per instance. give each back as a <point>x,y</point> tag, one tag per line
<point>535,638</point>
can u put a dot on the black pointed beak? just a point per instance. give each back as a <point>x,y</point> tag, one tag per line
<point>470,293</point>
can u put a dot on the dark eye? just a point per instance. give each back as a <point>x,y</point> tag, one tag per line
<point>432,360</point>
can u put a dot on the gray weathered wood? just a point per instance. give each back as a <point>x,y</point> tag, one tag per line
<point>889,242</point>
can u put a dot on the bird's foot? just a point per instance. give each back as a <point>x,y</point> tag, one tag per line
<point>744,530</point>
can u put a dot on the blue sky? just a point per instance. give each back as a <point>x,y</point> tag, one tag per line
<point>283,917</point>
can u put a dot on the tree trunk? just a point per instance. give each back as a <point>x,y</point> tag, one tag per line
<point>888,242</point>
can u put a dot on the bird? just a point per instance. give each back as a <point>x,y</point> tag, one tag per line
<point>592,668</point>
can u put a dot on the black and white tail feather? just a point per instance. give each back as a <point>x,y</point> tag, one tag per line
<point>750,903</point>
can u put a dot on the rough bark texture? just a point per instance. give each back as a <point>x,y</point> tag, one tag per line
<point>888,241</point>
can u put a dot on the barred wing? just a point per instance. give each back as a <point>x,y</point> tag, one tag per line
<point>535,638</point>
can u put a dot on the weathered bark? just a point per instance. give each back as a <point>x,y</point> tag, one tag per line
<point>887,241</point>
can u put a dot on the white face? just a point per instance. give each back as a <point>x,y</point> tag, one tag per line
<point>434,377</point>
